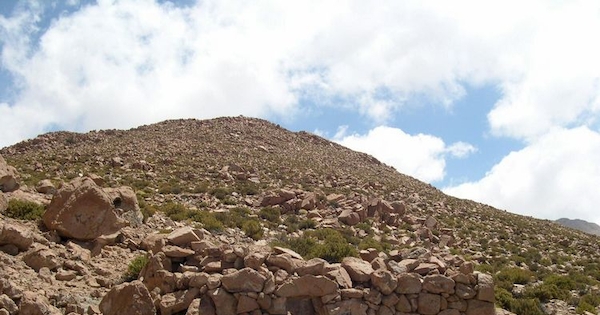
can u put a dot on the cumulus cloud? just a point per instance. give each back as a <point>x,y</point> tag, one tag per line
<point>557,176</point>
<point>421,156</point>
<point>123,63</point>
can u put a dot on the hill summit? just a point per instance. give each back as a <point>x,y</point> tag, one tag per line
<point>200,196</point>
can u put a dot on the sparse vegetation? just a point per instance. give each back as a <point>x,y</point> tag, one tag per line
<point>135,267</point>
<point>24,210</point>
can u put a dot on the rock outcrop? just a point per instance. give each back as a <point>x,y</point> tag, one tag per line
<point>82,210</point>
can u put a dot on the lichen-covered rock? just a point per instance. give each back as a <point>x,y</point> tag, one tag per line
<point>128,298</point>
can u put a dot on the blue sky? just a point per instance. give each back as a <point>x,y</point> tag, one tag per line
<point>492,101</point>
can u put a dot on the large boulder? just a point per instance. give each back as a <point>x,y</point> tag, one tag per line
<point>358,269</point>
<point>35,304</point>
<point>245,280</point>
<point>8,177</point>
<point>130,298</point>
<point>82,210</point>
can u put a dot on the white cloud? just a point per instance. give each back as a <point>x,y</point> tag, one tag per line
<point>557,176</point>
<point>421,156</point>
<point>123,63</point>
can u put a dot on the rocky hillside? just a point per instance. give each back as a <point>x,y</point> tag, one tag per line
<point>246,182</point>
<point>581,225</point>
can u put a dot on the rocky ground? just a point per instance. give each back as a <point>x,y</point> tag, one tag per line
<point>240,187</point>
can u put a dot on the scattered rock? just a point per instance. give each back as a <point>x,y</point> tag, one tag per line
<point>128,298</point>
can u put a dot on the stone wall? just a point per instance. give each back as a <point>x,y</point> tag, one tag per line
<point>188,274</point>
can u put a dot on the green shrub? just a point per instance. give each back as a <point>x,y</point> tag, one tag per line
<point>209,220</point>
<point>270,214</point>
<point>220,192</point>
<point>253,229</point>
<point>24,210</point>
<point>585,307</point>
<point>307,224</point>
<point>526,306</point>
<point>135,267</point>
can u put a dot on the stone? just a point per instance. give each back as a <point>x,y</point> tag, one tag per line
<point>177,252</point>
<point>339,274</point>
<point>40,257</point>
<point>429,304</point>
<point>384,281</point>
<point>244,280</point>
<point>408,283</point>
<point>156,274</point>
<point>425,268</point>
<point>246,304</point>
<point>8,304</point>
<point>477,307</point>
<point>153,242</point>
<point>372,296</point>
<point>8,177</point>
<point>45,186</point>
<point>225,303</point>
<point>3,202</point>
<point>351,293</point>
<point>307,285</point>
<point>464,291</point>
<point>283,261</point>
<point>346,307</point>
<point>172,303</point>
<point>358,269</point>
<point>438,284</point>
<point>451,311</point>
<point>36,304</point>
<point>183,237</point>
<point>130,298</point>
<point>83,211</point>
<point>16,234</point>
<point>254,260</point>
<point>403,305</point>
<point>485,284</point>
<point>349,217</point>
<point>65,275</point>
<point>199,279</point>
<point>282,250</point>
<point>313,266</point>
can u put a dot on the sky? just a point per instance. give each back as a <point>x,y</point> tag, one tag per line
<point>494,101</point>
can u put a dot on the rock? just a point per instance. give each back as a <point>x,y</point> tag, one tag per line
<point>408,283</point>
<point>308,285</point>
<point>40,257</point>
<point>451,311</point>
<point>8,304</point>
<point>125,202</point>
<point>199,279</point>
<point>346,307</point>
<point>83,211</point>
<point>384,281</point>
<point>155,274</point>
<point>183,237</point>
<point>16,234</point>
<point>65,275</point>
<point>349,217</point>
<point>245,280</point>
<point>8,177</point>
<point>45,186</point>
<point>128,298</point>
<point>313,266</point>
<point>254,260</point>
<point>225,303</point>
<point>283,261</point>
<point>438,284</point>
<point>339,274</point>
<point>177,252</point>
<point>425,268</point>
<point>485,283</point>
<point>276,198</point>
<point>429,304</point>
<point>403,304</point>
<point>246,304</point>
<point>3,202</point>
<point>282,250</point>
<point>464,291</point>
<point>176,302</point>
<point>358,269</point>
<point>477,307</point>
<point>37,304</point>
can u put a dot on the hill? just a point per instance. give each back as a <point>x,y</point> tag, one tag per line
<point>302,191</point>
<point>581,225</point>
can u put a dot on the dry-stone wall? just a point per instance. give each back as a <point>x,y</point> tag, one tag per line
<point>190,274</point>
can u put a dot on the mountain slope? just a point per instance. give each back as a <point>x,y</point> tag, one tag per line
<point>581,225</point>
<point>224,163</point>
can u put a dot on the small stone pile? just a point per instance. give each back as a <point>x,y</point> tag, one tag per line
<point>189,273</point>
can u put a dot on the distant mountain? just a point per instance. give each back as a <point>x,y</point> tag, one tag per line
<point>580,225</point>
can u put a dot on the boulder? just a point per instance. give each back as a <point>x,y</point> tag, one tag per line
<point>429,304</point>
<point>125,202</point>
<point>408,283</point>
<point>313,266</point>
<point>283,261</point>
<point>246,304</point>
<point>183,236</point>
<point>346,307</point>
<point>83,211</point>
<point>35,304</point>
<point>477,307</point>
<point>438,284</point>
<point>41,256</point>
<point>172,303</point>
<point>8,304</point>
<point>16,234</point>
<point>339,274</point>
<point>384,281</point>
<point>485,283</point>
<point>307,285</point>
<point>45,186</point>
<point>349,217</point>
<point>245,280</point>
<point>128,298</point>
<point>8,177</point>
<point>358,269</point>
<point>225,303</point>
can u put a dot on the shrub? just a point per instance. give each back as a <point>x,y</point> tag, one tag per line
<point>585,307</point>
<point>253,229</point>
<point>24,210</point>
<point>135,267</point>
<point>526,306</point>
<point>270,214</point>
<point>307,224</point>
<point>220,192</point>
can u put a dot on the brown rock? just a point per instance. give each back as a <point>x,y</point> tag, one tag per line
<point>16,234</point>
<point>83,211</point>
<point>245,280</point>
<point>477,307</point>
<point>351,293</point>
<point>346,307</point>
<point>3,202</point>
<point>438,284</point>
<point>45,186</point>
<point>384,281</point>
<point>8,304</point>
<point>225,303</point>
<point>36,304</point>
<point>408,283</point>
<point>156,274</point>
<point>464,291</point>
<point>153,242</point>
<point>425,268</point>
<point>41,257</point>
<point>176,302</point>
<point>485,283</point>
<point>358,269</point>
<point>307,285</point>
<point>313,266</point>
<point>283,261</point>
<point>449,311</point>
<point>282,250</point>
<point>429,304</point>
<point>199,279</point>
<point>246,304</point>
<point>8,177</point>
<point>403,304</point>
<point>183,237</point>
<point>177,252</point>
<point>128,298</point>
<point>339,274</point>
<point>125,201</point>
<point>349,217</point>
